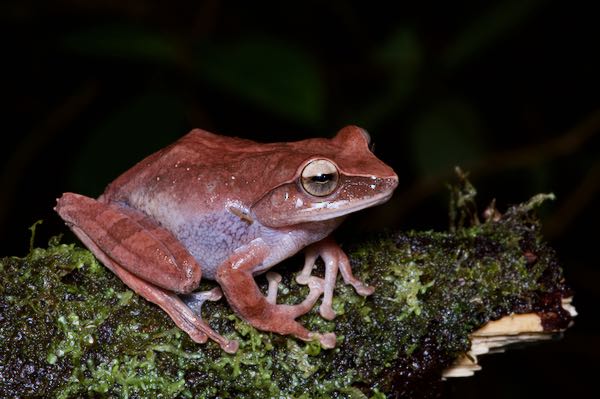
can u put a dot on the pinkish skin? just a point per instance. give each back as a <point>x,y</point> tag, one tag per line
<point>229,209</point>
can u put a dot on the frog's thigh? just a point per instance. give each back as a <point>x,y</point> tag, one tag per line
<point>132,240</point>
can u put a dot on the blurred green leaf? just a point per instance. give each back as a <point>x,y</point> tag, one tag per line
<point>494,23</point>
<point>271,74</point>
<point>126,42</point>
<point>401,57</point>
<point>445,136</point>
<point>140,127</point>
<point>401,53</point>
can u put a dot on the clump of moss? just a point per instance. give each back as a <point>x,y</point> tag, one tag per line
<point>69,328</point>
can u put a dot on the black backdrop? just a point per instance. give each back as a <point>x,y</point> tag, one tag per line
<point>507,89</point>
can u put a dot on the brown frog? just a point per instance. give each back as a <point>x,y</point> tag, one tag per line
<point>228,209</point>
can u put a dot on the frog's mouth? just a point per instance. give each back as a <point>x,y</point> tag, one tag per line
<point>326,210</point>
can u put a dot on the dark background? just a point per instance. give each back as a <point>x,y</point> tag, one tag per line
<point>506,89</point>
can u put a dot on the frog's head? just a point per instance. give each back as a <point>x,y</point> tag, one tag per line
<point>326,179</point>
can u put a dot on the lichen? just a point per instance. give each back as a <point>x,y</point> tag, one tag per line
<point>70,328</point>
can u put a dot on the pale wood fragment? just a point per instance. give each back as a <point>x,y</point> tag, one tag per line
<point>496,335</point>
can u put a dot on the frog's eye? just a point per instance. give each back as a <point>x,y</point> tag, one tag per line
<point>320,177</point>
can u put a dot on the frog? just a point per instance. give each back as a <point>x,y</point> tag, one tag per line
<point>228,209</point>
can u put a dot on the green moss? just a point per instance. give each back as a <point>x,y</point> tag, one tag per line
<point>69,328</point>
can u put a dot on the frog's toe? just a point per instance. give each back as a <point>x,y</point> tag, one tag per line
<point>195,300</point>
<point>274,279</point>
<point>230,346</point>
<point>302,279</point>
<point>363,289</point>
<point>327,340</point>
<point>310,258</point>
<point>326,311</point>
<point>315,284</point>
<point>317,287</point>
<point>360,287</point>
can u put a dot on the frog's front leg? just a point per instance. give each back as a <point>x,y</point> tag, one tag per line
<point>145,256</point>
<point>237,281</point>
<point>334,258</point>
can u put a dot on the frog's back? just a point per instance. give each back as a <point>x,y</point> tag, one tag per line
<point>202,165</point>
<point>198,149</point>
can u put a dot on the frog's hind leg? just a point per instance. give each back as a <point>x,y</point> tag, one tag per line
<point>145,256</point>
<point>182,315</point>
<point>133,240</point>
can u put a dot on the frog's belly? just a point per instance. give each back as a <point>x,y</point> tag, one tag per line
<point>212,239</point>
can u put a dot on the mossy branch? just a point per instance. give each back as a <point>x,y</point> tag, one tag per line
<point>69,328</point>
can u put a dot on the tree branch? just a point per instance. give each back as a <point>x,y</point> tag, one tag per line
<point>440,300</point>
